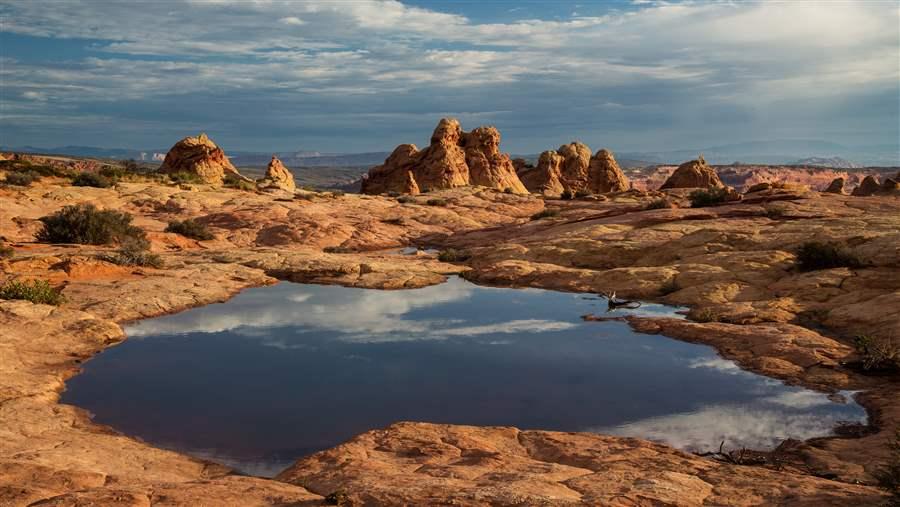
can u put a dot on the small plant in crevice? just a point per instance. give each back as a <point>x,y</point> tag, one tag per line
<point>36,291</point>
<point>406,199</point>
<point>815,255</point>
<point>581,194</point>
<point>708,197</point>
<point>546,213</point>
<point>232,181</point>
<point>453,255</point>
<point>661,203</point>
<point>705,315</point>
<point>134,253</point>
<point>888,475</point>
<point>436,202</point>
<point>190,228</point>
<point>566,195</point>
<point>878,354</point>
<point>6,252</point>
<point>774,211</point>
<point>87,225</point>
<point>92,180</point>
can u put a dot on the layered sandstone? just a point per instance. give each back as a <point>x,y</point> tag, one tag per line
<point>454,158</point>
<point>201,157</point>
<point>605,175</point>
<point>546,178</point>
<point>278,176</point>
<point>693,174</point>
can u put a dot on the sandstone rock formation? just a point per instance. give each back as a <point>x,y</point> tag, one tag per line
<point>836,186</point>
<point>869,186</point>
<point>572,168</point>
<point>693,174</point>
<point>546,178</point>
<point>890,185</point>
<point>453,159</point>
<point>278,176</point>
<point>200,156</point>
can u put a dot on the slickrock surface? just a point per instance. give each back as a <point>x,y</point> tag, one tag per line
<point>199,156</point>
<point>453,159</point>
<point>278,176</point>
<point>434,464</point>
<point>693,174</point>
<point>731,264</point>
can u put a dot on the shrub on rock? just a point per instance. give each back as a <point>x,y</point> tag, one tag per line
<point>191,229</point>
<point>36,291</point>
<point>815,255</point>
<point>92,180</point>
<point>87,225</point>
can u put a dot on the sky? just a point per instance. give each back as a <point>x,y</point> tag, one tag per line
<point>365,75</point>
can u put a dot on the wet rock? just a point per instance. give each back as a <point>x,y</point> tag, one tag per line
<point>201,157</point>
<point>693,174</point>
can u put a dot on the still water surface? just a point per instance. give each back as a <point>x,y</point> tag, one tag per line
<point>283,371</point>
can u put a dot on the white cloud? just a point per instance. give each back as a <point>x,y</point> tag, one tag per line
<point>292,20</point>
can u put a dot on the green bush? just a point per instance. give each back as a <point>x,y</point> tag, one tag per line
<point>774,211</point>
<point>815,255</point>
<point>705,315</point>
<point>709,197</point>
<point>546,213</point>
<point>85,224</point>
<point>888,476</point>
<point>134,253</point>
<point>566,195</point>
<point>190,228</point>
<point>452,255</point>
<point>406,199</point>
<point>661,203</point>
<point>92,180</point>
<point>41,169</point>
<point>436,202</point>
<point>36,291</point>
<point>113,172</point>
<point>21,179</point>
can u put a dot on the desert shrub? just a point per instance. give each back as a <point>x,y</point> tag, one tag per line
<point>878,353</point>
<point>92,180</point>
<point>436,202</point>
<point>709,197</point>
<point>231,181</point>
<point>21,179</point>
<point>671,285</point>
<point>581,194</point>
<point>705,315</point>
<point>661,203</point>
<point>184,177</point>
<point>337,498</point>
<point>546,213</point>
<point>6,252</point>
<point>113,172</point>
<point>814,255</point>
<point>41,169</point>
<point>453,255</point>
<point>337,193</point>
<point>190,228</point>
<point>85,224</point>
<point>337,249</point>
<point>888,476</point>
<point>36,291</point>
<point>406,199</point>
<point>566,195</point>
<point>134,253</point>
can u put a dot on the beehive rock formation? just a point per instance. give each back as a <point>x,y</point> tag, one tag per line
<point>835,187</point>
<point>454,158</point>
<point>572,168</point>
<point>693,174</point>
<point>278,176</point>
<point>869,186</point>
<point>199,156</point>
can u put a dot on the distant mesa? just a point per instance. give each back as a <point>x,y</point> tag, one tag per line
<point>832,162</point>
<point>693,174</point>
<point>199,156</point>
<point>572,168</point>
<point>454,158</point>
<point>277,176</point>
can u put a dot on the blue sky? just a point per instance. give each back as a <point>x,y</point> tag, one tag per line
<point>366,75</point>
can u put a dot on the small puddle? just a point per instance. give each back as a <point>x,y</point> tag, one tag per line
<point>280,372</point>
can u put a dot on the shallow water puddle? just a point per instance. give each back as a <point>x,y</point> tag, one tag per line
<point>283,371</point>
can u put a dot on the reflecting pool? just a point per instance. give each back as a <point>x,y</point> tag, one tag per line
<point>283,371</point>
